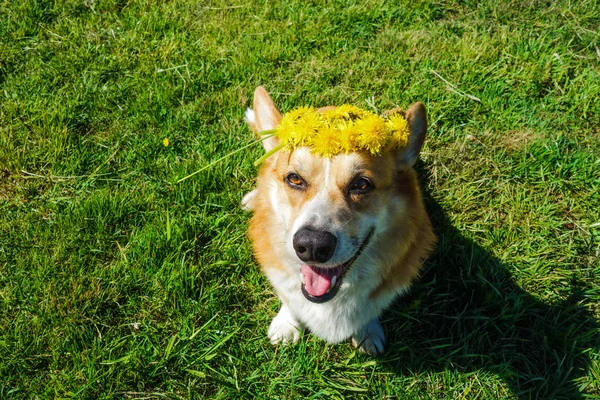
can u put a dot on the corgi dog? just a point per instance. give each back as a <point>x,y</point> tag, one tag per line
<point>338,237</point>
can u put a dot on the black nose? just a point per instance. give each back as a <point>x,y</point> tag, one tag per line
<point>314,246</point>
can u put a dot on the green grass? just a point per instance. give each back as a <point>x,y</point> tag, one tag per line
<point>116,282</point>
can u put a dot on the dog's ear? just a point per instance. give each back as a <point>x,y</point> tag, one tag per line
<point>264,117</point>
<point>416,116</point>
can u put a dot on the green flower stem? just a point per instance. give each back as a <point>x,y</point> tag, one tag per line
<point>269,154</point>
<point>264,136</point>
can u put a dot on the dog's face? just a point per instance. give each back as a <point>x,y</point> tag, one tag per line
<point>330,209</point>
<point>325,213</point>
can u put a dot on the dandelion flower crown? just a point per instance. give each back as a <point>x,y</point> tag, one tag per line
<point>343,129</point>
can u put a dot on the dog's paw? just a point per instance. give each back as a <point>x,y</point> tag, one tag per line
<point>370,339</point>
<point>248,200</point>
<point>284,328</point>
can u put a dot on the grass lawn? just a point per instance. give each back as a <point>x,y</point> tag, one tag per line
<point>117,282</point>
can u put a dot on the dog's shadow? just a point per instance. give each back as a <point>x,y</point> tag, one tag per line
<point>466,313</point>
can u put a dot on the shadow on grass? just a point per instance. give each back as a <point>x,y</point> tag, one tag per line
<point>466,314</point>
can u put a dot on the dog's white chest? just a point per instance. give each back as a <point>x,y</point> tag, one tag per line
<point>337,319</point>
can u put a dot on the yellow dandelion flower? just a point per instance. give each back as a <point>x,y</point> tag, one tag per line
<point>327,142</point>
<point>371,134</point>
<point>347,112</point>
<point>297,126</point>
<point>306,128</point>
<point>299,112</point>
<point>398,125</point>
<point>348,135</point>
<point>285,129</point>
<point>166,142</point>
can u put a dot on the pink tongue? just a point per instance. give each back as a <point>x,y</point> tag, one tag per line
<point>316,283</point>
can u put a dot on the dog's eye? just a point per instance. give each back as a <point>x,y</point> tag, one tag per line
<point>360,185</point>
<point>295,181</point>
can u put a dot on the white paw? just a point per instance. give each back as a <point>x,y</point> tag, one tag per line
<point>370,339</point>
<point>248,200</point>
<point>284,328</point>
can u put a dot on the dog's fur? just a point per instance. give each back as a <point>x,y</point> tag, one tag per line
<point>387,228</point>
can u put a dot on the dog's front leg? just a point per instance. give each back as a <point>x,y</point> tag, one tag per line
<point>284,328</point>
<point>370,338</point>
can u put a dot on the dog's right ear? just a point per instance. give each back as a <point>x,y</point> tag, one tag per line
<point>264,117</point>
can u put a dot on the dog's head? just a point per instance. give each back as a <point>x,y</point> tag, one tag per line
<point>332,220</point>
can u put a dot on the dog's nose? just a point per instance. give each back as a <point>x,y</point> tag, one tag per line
<point>314,246</point>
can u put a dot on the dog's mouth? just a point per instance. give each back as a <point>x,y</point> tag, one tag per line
<point>320,284</point>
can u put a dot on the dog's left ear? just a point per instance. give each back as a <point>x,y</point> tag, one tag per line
<point>416,116</point>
